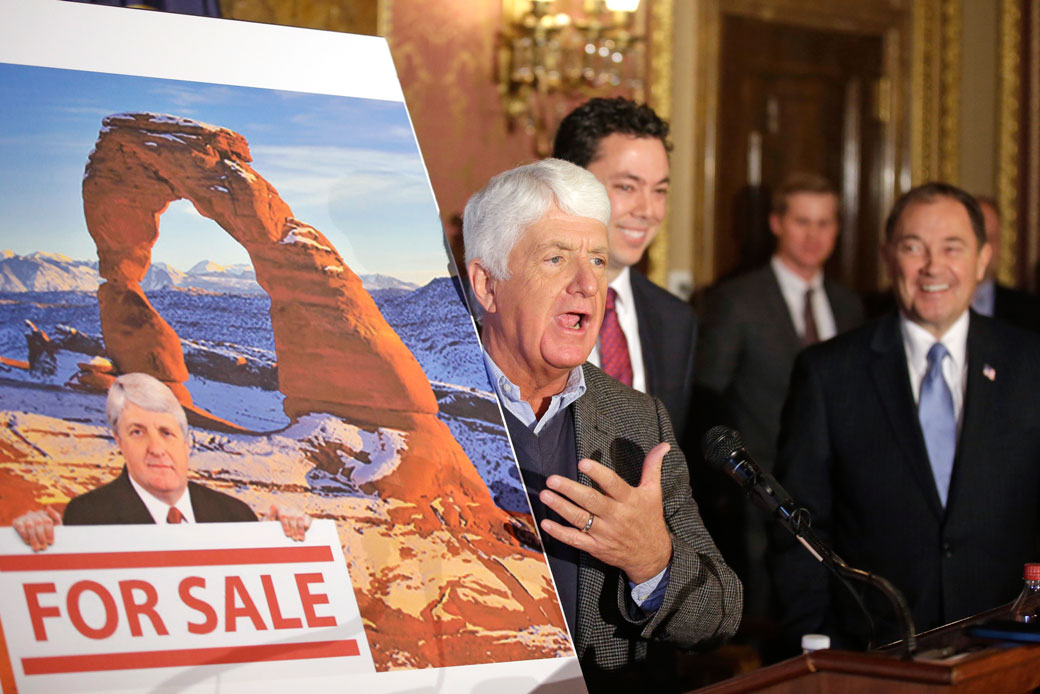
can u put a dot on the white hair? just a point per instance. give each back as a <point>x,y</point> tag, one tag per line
<point>148,393</point>
<point>496,217</point>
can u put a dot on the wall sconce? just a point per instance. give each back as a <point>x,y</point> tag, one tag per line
<point>549,61</point>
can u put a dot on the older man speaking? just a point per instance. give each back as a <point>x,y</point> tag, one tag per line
<point>608,484</point>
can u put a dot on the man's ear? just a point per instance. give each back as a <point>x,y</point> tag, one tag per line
<point>482,284</point>
<point>774,224</point>
<point>886,254</point>
<point>985,258</point>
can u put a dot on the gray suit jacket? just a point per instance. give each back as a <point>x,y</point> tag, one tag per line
<point>618,426</point>
<point>747,348</point>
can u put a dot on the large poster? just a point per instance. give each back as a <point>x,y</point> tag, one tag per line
<point>242,212</point>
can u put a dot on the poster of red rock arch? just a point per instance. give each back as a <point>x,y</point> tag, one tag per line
<point>242,211</point>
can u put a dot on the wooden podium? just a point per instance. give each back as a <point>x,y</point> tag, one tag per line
<point>948,659</point>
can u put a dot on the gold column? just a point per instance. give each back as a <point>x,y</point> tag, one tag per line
<point>1032,172</point>
<point>935,91</point>
<point>660,98</point>
<point>1008,120</point>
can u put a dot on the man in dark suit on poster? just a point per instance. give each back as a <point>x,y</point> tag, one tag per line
<point>607,482</point>
<point>648,335</point>
<point>151,431</point>
<point>914,441</point>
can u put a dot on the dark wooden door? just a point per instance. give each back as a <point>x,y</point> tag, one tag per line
<point>797,99</point>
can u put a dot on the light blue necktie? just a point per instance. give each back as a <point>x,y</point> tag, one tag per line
<point>938,423</point>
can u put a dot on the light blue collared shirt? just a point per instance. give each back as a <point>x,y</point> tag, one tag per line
<point>647,595</point>
<point>511,398</point>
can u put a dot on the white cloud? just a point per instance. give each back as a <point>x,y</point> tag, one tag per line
<point>315,175</point>
<point>186,98</point>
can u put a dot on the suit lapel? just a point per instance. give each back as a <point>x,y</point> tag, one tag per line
<point>649,328</point>
<point>592,440</point>
<point>843,320</point>
<point>774,309</point>
<point>979,400</point>
<point>133,512</point>
<point>892,379</point>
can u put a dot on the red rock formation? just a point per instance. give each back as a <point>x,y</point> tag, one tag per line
<point>336,353</point>
<point>474,592</point>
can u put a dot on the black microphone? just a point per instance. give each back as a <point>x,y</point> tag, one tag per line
<point>724,449</point>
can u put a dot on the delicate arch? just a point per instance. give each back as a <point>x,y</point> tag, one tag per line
<point>336,352</point>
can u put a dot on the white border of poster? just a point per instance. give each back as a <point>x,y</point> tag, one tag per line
<point>65,35</point>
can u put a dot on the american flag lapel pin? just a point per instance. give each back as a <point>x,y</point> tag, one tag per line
<point>989,372</point>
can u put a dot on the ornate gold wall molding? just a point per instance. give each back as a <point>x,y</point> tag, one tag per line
<point>384,18</point>
<point>1009,137</point>
<point>1032,173</point>
<point>950,81</point>
<point>660,98</point>
<point>935,91</point>
<point>351,16</point>
<point>704,93</point>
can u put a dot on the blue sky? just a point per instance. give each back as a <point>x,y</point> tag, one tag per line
<point>349,167</point>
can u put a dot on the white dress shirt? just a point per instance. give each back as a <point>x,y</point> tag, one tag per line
<point>159,508</point>
<point>917,341</point>
<point>625,306</point>
<point>793,288</point>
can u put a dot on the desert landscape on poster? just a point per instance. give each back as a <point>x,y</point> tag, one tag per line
<point>276,258</point>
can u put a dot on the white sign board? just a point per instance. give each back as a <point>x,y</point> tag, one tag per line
<point>183,603</point>
<point>454,592</point>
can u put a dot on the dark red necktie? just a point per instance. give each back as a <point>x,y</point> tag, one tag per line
<point>613,347</point>
<point>174,515</point>
<point>811,335</point>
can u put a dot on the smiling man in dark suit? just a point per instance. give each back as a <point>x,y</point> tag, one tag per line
<point>914,440</point>
<point>151,431</point>
<point>648,336</point>
<point>627,549</point>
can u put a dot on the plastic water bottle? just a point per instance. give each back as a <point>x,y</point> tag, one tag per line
<point>818,642</point>
<point>1026,607</point>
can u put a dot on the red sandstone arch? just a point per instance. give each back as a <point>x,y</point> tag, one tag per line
<point>336,352</point>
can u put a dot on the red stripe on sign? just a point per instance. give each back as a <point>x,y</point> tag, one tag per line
<point>154,559</point>
<point>190,656</point>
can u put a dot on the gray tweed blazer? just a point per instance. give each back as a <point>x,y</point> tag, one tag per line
<point>617,426</point>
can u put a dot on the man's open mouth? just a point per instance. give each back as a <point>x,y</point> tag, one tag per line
<point>574,320</point>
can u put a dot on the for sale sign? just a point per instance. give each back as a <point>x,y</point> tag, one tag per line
<point>176,605</point>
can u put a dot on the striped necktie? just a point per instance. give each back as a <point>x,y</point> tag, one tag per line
<point>613,347</point>
<point>938,422</point>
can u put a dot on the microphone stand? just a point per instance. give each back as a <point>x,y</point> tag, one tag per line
<point>724,449</point>
<point>797,521</point>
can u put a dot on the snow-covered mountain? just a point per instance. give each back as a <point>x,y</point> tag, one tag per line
<point>433,323</point>
<point>163,276</point>
<point>53,272</point>
<point>46,272</point>
<point>374,282</point>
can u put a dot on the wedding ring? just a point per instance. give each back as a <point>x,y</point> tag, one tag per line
<point>588,526</point>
